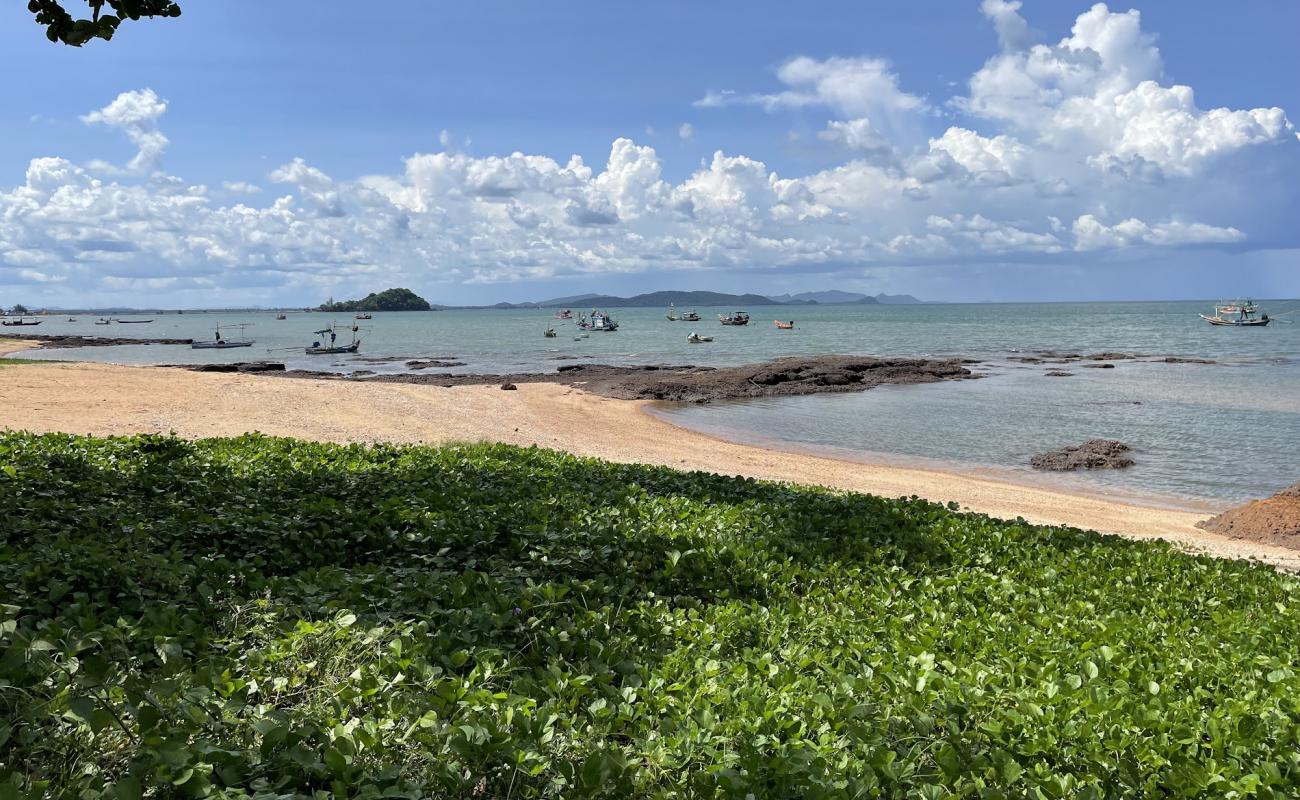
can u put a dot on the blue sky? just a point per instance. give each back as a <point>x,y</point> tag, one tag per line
<point>895,151</point>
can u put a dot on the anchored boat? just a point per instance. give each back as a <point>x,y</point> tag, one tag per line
<point>695,338</point>
<point>319,348</point>
<point>1245,315</point>
<point>15,323</point>
<point>734,318</point>
<point>598,321</point>
<point>220,342</point>
<point>785,326</point>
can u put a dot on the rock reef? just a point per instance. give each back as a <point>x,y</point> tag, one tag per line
<point>1092,454</point>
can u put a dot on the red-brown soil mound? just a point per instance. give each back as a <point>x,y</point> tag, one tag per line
<point>1274,520</point>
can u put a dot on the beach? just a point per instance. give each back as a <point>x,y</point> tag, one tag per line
<point>102,399</point>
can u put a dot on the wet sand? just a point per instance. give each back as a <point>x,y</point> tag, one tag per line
<point>105,400</point>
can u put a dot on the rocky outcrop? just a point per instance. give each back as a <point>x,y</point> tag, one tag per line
<point>1092,454</point>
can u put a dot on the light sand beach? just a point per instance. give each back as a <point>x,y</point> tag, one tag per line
<point>105,400</point>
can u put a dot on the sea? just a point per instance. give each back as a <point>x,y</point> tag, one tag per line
<point>1205,436</point>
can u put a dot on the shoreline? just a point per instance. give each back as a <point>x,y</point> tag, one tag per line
<point>119,400</point>
<point>1046,481</point>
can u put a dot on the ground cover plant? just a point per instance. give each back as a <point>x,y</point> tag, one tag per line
<point>276,618</point>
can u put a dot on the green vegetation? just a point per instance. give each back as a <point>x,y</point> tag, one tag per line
<point>387,300</point>
<point>277,618</point>
<point>61,26</point>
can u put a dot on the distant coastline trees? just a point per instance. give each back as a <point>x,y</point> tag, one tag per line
<point>61,26</point>
<point>387,300</point>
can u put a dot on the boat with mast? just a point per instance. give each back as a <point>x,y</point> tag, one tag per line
<point>597,321</point>
<point>318,348</point>
<point>734,318</point>
<point>220,342</point>
<point>1244,311</point>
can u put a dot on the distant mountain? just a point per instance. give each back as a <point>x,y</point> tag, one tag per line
<point>830,297</point>
<point>577,299</point>
<point>656,299</point>
<point>898,300</point>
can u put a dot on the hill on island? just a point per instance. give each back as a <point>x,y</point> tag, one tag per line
<point>387,300</point>
<point>655,299</point>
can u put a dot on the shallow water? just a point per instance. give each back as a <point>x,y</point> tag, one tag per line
<point>1203,434</point>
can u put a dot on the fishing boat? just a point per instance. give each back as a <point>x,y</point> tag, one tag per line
<point>565,314</point>
<point>690,316</point>
<point>672,314</point>
<point>72,319</point>
<point>15,323</point>
<point>549,333</point>
<point>280,316</point>
<point>1245,315</point>
<point>132,321</point>
<point>695,338</point>
<point>102,321</point>
<point>598,321</point>
<point>363,315</point>
<point>734,318</point>
<point>319,349</point>
<point>784,326</point>
<point>220,342</point>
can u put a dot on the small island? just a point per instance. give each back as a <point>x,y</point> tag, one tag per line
<point>387,300</point>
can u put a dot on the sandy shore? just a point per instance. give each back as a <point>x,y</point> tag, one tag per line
<point>103,400</point>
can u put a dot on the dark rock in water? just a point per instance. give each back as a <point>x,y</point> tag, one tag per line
<point>1057,373</point>
<point>1274,520</point>
<point>61,340</point>
<point>433,364</point>
<point>1099,366</point>
<point>508,386</point>
<point>364,372</point>
<point>692,384</point>
<point>238,366</point>
<point>1092,454</point>
<point>1026,359</point>
<point>1110,356</point>
<point>1180,360</point>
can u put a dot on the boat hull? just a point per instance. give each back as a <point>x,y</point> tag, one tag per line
<point>327,351</point>
<point>1237,323</point>
<point>218,345</point>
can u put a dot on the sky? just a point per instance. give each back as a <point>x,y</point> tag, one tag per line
<point>255,153</point>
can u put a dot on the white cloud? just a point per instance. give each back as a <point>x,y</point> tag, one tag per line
<point>1068,151</point>
<point>686,131</point>
<point>852,87</point>
<point>240,187</point>
<point>136,114</point>
<point>1097,94</point>
<point>1091,234</point>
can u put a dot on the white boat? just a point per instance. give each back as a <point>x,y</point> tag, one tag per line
<point>598,321</point>
<point>695,338</point>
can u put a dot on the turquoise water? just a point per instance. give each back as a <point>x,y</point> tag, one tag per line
<point>1204,435</point>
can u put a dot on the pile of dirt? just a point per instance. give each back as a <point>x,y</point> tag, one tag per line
<point>1274,520</point>
<point>1092,454</point>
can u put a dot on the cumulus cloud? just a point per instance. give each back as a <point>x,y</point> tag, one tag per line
<point>1097,92</point>
<point>851,87</point>
<point>136,114</point>
<point>1062,151</point>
